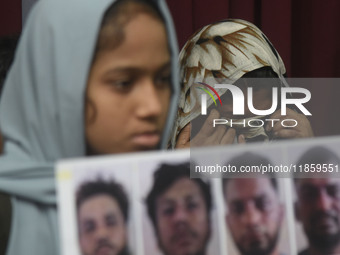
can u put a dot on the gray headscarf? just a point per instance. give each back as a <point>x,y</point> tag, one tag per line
<point>42,110</point>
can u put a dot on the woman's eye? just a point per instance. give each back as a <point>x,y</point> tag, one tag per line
<point>163,80</point>
<point>122,84</point>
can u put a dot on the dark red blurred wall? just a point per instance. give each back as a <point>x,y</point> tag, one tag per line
<point>306,33</point>
<point>10,17</point>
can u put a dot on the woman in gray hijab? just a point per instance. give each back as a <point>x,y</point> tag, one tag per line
<point>89,77</point>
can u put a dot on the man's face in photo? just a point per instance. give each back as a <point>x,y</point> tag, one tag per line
<point>254,215</point>
<point>318,209</point>
<point>102,229</point>
<point>183,225</point>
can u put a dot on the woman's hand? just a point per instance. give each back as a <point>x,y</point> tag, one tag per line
<point>302,130</point>
<point>208,134</point>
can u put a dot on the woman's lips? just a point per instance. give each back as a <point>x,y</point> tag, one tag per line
<point>147,139</point>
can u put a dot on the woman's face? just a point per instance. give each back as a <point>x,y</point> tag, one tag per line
<point>128,90</point>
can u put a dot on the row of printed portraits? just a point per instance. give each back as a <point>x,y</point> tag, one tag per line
<point>148,204</point>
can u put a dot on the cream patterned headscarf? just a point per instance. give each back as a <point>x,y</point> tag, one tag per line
<point>224,50</point>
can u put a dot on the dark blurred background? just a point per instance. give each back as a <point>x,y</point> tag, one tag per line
<point>306,33</point>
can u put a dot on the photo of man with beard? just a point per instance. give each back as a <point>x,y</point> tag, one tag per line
<point>179,209</point>
<point>318,202</point>
<point>254,211</point>
<point>102,214</point>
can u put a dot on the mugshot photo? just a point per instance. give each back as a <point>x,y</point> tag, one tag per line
<point>316,188</point>
<point>255,203</point>
<point>179,212</point>
<point>100,209</point>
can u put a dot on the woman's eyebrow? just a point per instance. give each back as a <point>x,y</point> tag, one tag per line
<point>135,70</point>
<point>123,70</point>
<point>165,66</point>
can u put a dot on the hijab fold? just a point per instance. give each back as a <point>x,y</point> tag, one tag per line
<point>222,51</point>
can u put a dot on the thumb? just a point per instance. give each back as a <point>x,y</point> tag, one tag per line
<point>241,139</point>
<point>184,136</point>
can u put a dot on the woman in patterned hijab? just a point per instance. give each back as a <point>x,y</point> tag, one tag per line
<point>223,52</point>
